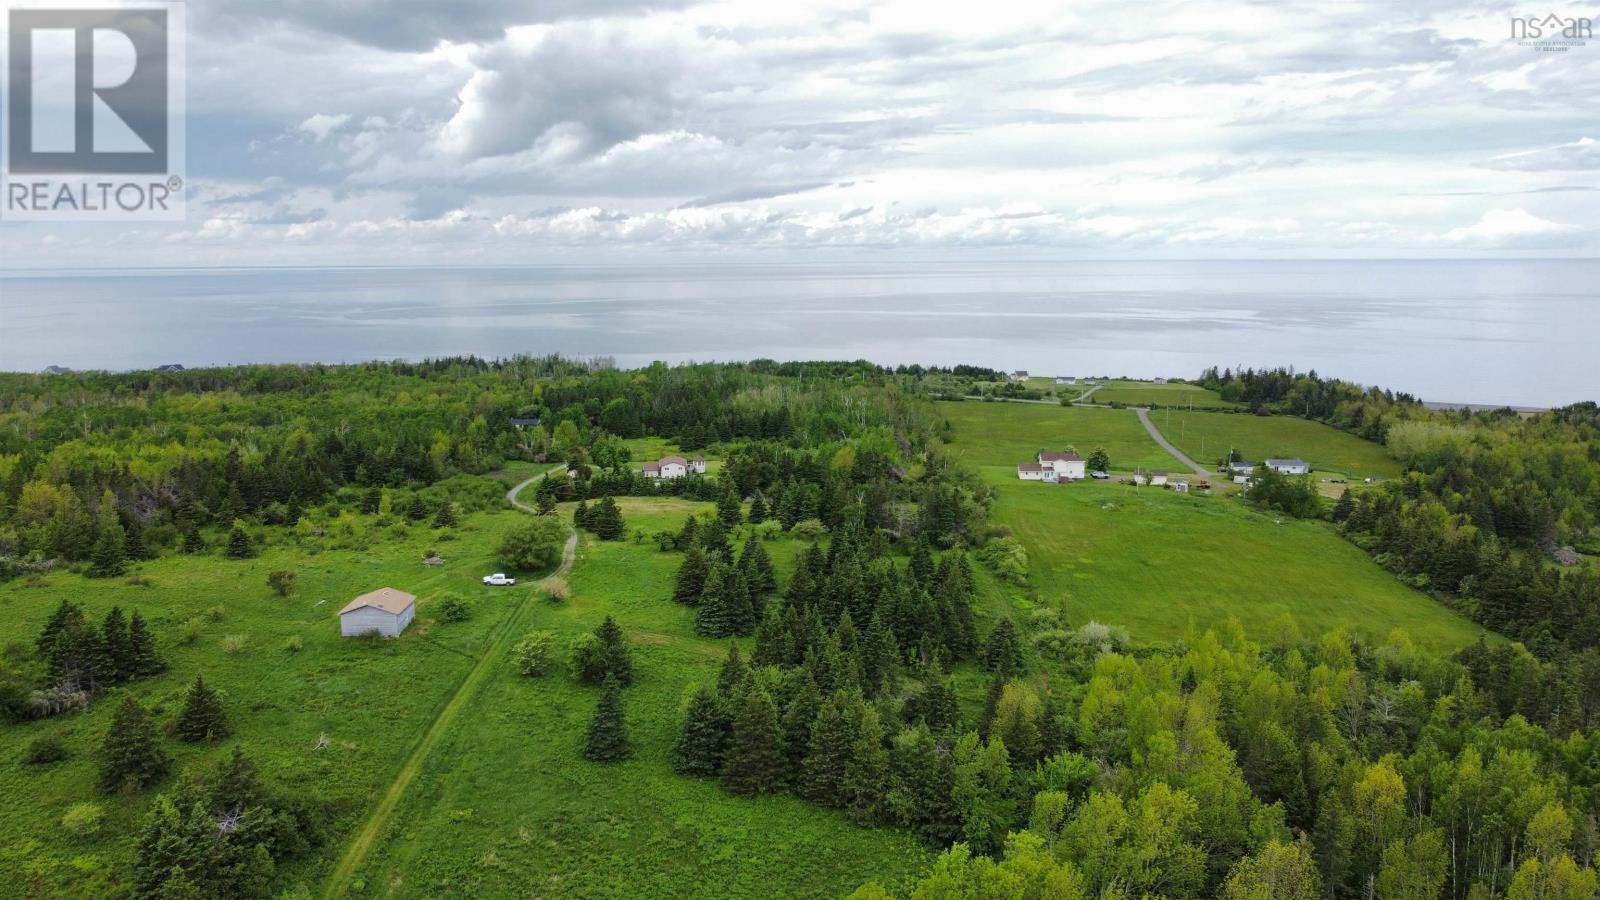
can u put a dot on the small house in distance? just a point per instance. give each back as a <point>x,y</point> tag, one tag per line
<point>1158,479</point>
<point>668,467</point>
<point>1066,379</point>
<point>1019,375</point>
<point>524,421</point>
<point>1288,466</point>
<point>384,611</point>
<point>1159,381</point>
<point>1181,485</point>
<point>1068,466</point>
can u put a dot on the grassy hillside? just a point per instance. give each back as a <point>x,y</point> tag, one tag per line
<point>1154,561</point>
<point>1206,436</point>
<point>1004,434</point>
<point>503,805</point>
<point>1148,393</point>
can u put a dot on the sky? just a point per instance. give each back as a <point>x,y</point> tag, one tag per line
<point>503,131</point>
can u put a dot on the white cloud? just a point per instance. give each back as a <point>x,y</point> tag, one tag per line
<point>319,126</point>
<point>1512,227</point>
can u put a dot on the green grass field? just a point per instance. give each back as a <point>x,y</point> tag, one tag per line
<point>1004,434</point>
<point>502,805</point>
<point>1154,561</point>
<point>1148,393</point>
<point>1206,437</point>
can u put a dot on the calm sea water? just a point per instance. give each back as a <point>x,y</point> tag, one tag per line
<point>1519,332</point>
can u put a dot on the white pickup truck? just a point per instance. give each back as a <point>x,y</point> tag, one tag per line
<point>498,578</point>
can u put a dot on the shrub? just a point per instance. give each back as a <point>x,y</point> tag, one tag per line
<point>453,609</point>
<point>809,530</point>
<point>191,630</point>
<point>556,589</point>
<point>216,613</point>
<point>83,819</point>
<point>282,582</point>
<point>233,643</point>
<point>534,545</point>
<point>768,530</point>
<point>531,655</point>
<point>1008,558</point>
<point>47,749</point>
<point>139,581</point>
<point>294,644</point>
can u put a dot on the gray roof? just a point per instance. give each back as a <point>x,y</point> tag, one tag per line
<point>1286,462</point>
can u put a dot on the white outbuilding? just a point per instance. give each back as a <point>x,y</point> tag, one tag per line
<point>384,611</point>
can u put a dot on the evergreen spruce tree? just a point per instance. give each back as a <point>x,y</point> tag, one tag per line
<point>688,534</point>
<point>940,708</point>
<point>714,618</point>
<point>828,755</point>
<point>607,738</point>
<point>703,738</point>
<point>193,542</point>
<point>867,772</point>
<point>799,715</point>
<point>758,510</point>
<point>732,673</point>
<point>417,510</point>
<point>446,516</point>
<point>615,658</point>
<point>133,543</point>
<point>239,545</point>
<point>118,644</point>
<point>736,599</point>
<point>880,659</point>
<point>754,761</point>
<point>606,520</point>
<point>66,615</point>
<point>1345,506</point>
<point>757,567</point>
<point>143,658</point>
<point>729,511</point>
<point>691,579</point>
<point>1003,653</point>
<point>372,500</point>
<point>771,640</point>
<point>130,757</point>
<point>109,558</point>
<point>714,541</point>
<point>789,510</point>
<point>202,718</point>
<point>580,516</point>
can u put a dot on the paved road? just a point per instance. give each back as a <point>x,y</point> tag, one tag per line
<point>1083,398</point>
<point>494,652</point>
<point>1155,433</point>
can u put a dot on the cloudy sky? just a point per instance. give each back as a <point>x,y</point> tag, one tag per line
<point>493,131</point>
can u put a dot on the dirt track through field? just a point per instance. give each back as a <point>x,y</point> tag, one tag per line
<point>494,653</point>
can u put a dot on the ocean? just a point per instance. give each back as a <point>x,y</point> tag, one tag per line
<point>1519,332</point>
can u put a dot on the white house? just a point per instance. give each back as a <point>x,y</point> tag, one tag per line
<point>1181,485</point>
<point>1241,479</point>
<point>1036,472</point>
<point>1066,379</point>
<point>1158,479</point>
<point>1241,468</point>
<point>384,611</point>
<point>1019,375</point>
<point>1160,381</point>
<point>668,467</point>
<point>1068,466</point>
<point>1288,466</point>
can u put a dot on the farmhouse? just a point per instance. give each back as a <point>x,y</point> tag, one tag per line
<point>1035,472</point>
<point>1066,379</point>
<point>524,421</point>
<point>1158,479</point>
<point>1019,375</point>
<point>1068,466</point>
<point>1239,468</point>
<point>1288,466</point>
<point>668,467</point>
<point>1160,381</point>
<point>384,611</point>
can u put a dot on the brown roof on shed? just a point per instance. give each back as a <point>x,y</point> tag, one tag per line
<point>387,599</point>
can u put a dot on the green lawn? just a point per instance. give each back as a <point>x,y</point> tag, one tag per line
<point>1155,561</point>
<point>1148,393</point>
<point>503,806</point>
<point>1206,437</point>
<point>1004,434</point>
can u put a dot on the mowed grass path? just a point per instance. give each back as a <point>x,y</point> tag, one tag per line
<point>1206,436</point>
<point>1004,434</point>
<point>507,806</point>
<point>1148,393</point>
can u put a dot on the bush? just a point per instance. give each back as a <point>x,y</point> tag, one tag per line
<point>534,545</point>
<point>294,644</point>
<point>1008,558</point>
<point>47,749</point>
<point>191,630</point>
<point>768,530</point>
<point>531,655</point>
<point>809,530</point>
<point>216,613</point>
<point>83,819</point>
<point>282,582</point>
<point>556,589</point>
<point>453,609</point>
<point>233,643</point>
